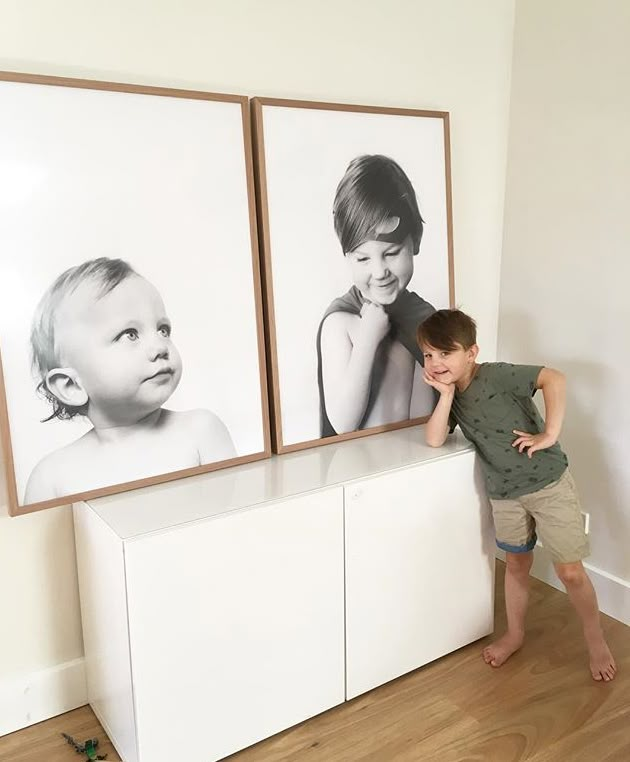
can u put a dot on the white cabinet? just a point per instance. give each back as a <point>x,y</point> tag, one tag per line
<point>419,569</point>
<point>233,605</point>
<point>234,628</point>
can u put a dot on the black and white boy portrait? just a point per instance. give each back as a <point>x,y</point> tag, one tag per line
<point>358,247</point>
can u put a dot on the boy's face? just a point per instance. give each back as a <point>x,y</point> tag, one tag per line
<point>449,366</point>
<point>381,270</point>
<point>120,347</point>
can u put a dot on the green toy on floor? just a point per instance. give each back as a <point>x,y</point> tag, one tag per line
<point>88,748</point>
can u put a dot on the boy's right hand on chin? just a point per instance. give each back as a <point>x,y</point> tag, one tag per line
<point>374,323</point>
<point>439,386</point>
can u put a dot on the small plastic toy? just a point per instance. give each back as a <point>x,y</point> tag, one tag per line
<point>87,747</point>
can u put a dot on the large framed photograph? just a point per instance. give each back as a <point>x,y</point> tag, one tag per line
<point>355,216</point>
<point>130,307</point>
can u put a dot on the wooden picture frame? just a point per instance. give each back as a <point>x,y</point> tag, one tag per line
<point>98,173</point>
<point>303,149</point>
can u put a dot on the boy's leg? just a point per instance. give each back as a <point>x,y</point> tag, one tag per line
<point>556,509</point>
<point>516,535</point>
<point>582,595</point>
<point>517,568</point>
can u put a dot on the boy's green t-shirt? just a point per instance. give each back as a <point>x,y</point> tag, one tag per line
<point>497,401</point>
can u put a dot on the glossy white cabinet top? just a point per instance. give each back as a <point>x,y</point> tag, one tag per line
<point>162,506</point>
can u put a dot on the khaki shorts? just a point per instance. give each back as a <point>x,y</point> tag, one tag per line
<point>552,513</point>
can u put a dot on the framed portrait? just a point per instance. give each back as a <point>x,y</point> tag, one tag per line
<point>356,231</point>
<point>131,328</point>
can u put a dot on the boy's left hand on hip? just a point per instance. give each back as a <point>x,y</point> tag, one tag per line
<point>532,442</point>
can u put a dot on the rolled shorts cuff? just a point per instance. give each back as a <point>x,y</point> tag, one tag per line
<point>518,548</point>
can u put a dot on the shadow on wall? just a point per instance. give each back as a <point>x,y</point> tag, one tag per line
<point>582,438</point>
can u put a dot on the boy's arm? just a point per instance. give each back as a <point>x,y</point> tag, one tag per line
<point>553,385</point>
<point>347,365</point>
<point>437,427</point>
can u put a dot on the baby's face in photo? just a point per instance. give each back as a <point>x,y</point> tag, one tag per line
<point>382,270</point>
<point>120,346</point>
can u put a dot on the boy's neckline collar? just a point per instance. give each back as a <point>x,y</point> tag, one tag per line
<point>472,379</point>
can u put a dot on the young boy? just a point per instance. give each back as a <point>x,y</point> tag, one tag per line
<point>366,346</point>
<point>526,474</point>
<point>102,348</point>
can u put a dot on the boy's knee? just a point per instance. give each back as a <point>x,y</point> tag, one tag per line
<point>519,563</point>
<point>570,574</point>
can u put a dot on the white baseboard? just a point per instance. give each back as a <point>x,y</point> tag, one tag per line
<point>613,593</point>
<point>27,699</point>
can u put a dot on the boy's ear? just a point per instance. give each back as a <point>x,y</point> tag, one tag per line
<point>65,385</point>
<point>473,352</point>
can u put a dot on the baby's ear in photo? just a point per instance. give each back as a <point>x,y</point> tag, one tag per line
<point>65,385</point>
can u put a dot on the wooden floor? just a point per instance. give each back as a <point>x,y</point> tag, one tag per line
<point>541,706</point>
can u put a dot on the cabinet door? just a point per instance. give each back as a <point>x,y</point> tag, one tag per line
<point>236,627</point>
<point>419,569</point>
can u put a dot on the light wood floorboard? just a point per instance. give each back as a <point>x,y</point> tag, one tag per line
<point>541,706</point>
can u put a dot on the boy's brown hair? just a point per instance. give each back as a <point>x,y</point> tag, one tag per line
<point>447,330</point>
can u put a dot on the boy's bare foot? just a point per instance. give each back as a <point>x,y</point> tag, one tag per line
<point>499,652</point>
<point>603,665</point>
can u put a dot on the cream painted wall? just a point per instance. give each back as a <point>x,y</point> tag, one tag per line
<point>452,55</point>
<point>566,261</point>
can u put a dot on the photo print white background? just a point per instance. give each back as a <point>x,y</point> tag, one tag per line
<point>159,182</point>
<point>307,152</point>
